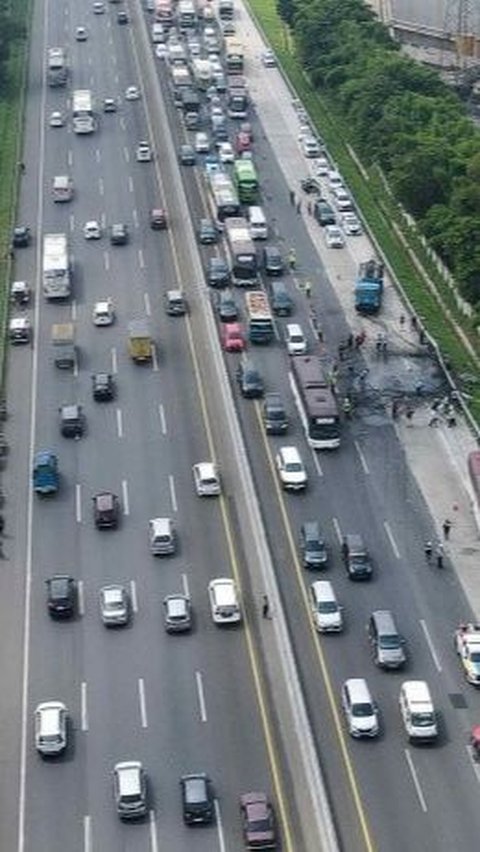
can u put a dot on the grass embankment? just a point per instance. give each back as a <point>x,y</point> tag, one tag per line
<point>12,97</point>
<point>381,212</point>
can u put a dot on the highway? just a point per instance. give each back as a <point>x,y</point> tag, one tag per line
<point>187,703</point>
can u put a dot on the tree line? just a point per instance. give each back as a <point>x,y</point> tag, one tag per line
<point>10,30</point>
<point>403,117</point>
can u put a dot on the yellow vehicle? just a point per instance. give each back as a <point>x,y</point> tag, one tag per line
<point>140,344</point>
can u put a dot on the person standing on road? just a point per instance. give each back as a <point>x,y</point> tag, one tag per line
<point>307,289</point>
<point>292,198</point>
<point>439,555</point>
<point>265,607</point>
<point>446,527</point>
<point>292,258</point>
<point>299,207</point>
<point>428,550</point>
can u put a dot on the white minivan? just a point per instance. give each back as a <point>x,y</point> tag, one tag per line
<point>326,612</point>
<point>258,223</point>
<point>418,712</point>
<point>224,603</point>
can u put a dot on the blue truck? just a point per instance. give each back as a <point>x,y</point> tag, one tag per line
<point>45,472</point>
<point>369,287</point>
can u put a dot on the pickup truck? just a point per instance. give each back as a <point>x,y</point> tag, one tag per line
<point>45,472</point>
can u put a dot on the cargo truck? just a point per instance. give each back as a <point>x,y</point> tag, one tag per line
<point>56,267</point>
<point>63,345</point>
<point>259,317</point>
<point>369,287</point>
<point>140,344</point>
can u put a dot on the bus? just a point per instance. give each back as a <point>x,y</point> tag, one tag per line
<point>246,181</point>
<point>164,12</point>
<point>233,55</point>
<point>243,257</point>
<point>57,70</point>
<point>83,117</point>
<point>223,196</point>
<point>186,14</point>
<point>259,317</point>
<point>315,401</point>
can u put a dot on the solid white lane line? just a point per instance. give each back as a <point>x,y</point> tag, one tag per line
<point>141,259</point>
<point>126,505</point>
<point>338,531</point>
<point>391,539</point>
<point>101,186</point>
<point>154,359</point>
<point>201,696</point>
<point>72,223</point>
<point>81,598</point>
<point>103,221</point>
<point>126,154</point>
<point>122,123</point>
<point>75,367</point>
<point>133,595</point>
<point>114,361</point>
<point>146,302</point>
<point>219,824</point>
<point>106,259</point>
<point>83,706</point>
<point>87,833</point>
<point>317,463</point>
<point>163,422</point>
<point>74,310</point>
<point>97,154</point>
<point>186,590</point>
<point>173,496</point>
<point>362,458</point>
<point>431,646</point>
<point>130,183</point>
<point>153,831</point>
<point>70,158</point>
<point>416,782</point>
<point>78,502</point>
<point>119,423</point>
<point>135,218</point>
<point>143,706</point>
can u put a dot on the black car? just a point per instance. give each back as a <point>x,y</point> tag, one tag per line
<point>122,17</point>
<point>207,232</point>
<point>310,186</point>
<point>72,421</point>
<point>197,798</point>
<point>187,155</point>
<point>323,213</point>
<point>118,234</point>
<point>21,236</point>
<point>106,510</point>
<point>312,545</point>
<point>272,260</point>
<point>226,307</point>
<point>218,272</point>
<point>249,380</point>
<point>61,595</point>
<point>356,559</point>
<point>103,387</point>
<point>274,415</point>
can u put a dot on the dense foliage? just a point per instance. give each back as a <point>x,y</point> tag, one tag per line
<point>401,116</point>
<point>10,30</point>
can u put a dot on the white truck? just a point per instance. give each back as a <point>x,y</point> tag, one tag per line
<point>56,267</point>
<point>202,72</point>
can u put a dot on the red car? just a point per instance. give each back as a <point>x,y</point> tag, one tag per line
<point>233,338</point>
<point>258,821</point>
<point>158,219</point>
<point>242,142</point>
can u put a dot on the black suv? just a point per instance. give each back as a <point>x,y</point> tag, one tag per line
<point>274,415</point>
<point>218,273</point>
<point>72,421</point>
<point>61,596</point>
<point>21,236</point>
<point>106,510</point>
<point>197,798</point>
<point>249,380</point>
<point>323,213</point>
<point>122,18</point>
<point>272,260</point>
<point>356,559</point>
<point>118,234</point>
<point>312,545</point>
<point>226,307</point>
<point>103,387</point>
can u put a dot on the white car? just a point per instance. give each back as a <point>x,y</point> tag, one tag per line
<point>321,167</point>
<point>132,94</point>
<point>81,34</point>
<point>268,59</point>
<point>333,237</point>
<point>161,51</point>
<point>295,339</point>
<point>334,179</point>
<point>51,728</point>
<point>98,7</point>
<point>19,330</point>
<point>351,225</point>
<point>226,153</point>
<point>360,710</point>
<point>224,603</point>
<point>291,469</point>
<point>92,230</point>
<point>114,605</point>
<point>342,200</point>
<point>143,153</point>
<point>206,479</point>
<point>56,119</point>
<point>310,147</point>
<point>103,313</point>
<point>202,143</point>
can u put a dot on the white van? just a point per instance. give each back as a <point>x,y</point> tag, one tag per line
<point>62,188</point>
<point>326,612</point>
<point>161,536</point>
<point>258,223</point>
<point>295,339</point>
<point>224,601</point>
<point>418,712</point>
<point>158,33</point>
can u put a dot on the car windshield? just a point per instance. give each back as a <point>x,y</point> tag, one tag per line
<point>363,709</point>
<point>259,825</point>
<point>293,467</point>
<point>327,607</point>
<point>390,642</point>
<point>422,720</point>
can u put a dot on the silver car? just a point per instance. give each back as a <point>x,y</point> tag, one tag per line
<point>177,613</point>
<point>114,605</point>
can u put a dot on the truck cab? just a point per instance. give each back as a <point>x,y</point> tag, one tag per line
<point>369,287</point>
